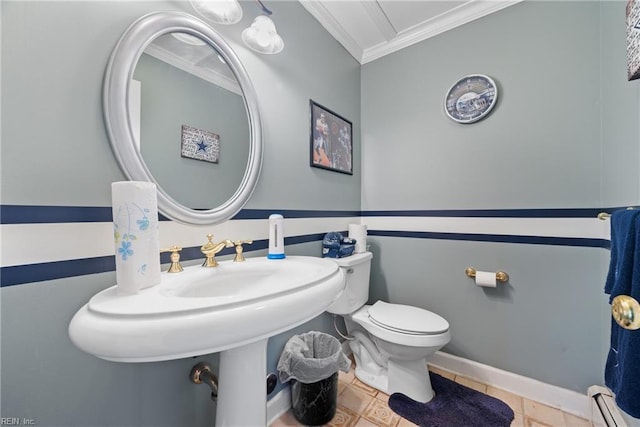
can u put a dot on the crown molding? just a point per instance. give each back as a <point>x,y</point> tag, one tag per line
<point>453,18</point>
<point>463,14</point>
<point>211,76</point>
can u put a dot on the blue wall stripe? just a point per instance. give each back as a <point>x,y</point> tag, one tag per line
<point>21,274</point>
<point>193,252</point>
<point>33,214</point>
<point>18,214</point>
<point>29,273</point>
<point>500,238</point>
<point>290,213</point>
<point>29,214</point>
<point>492,213</point>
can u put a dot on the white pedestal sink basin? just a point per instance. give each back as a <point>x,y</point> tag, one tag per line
<point>233,308</point>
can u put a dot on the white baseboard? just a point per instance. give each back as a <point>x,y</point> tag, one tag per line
<point>550,395</point>
<point>278,404</point>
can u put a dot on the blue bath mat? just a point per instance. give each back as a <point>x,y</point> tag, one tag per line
<point>454,405</point>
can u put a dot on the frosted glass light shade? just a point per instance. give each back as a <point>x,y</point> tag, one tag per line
<point>262,37</point>
<point>218,11</point>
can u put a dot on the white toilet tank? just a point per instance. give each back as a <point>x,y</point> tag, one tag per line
<point>357,269</point>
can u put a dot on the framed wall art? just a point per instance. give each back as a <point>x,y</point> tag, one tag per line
<point>331,140</point>
<point>633,39</point>
<point>200,144</point>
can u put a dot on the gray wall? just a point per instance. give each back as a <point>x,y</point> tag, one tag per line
<point>620,108</point>
<point>539,148</point>
<point>55,152</point>
<point>46,63</point>
<point>564,134</point>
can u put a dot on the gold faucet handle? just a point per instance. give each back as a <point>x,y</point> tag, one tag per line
<point>239,249</point>
<point>175,266</point>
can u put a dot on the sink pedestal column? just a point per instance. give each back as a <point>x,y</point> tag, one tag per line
<point>242,390</point>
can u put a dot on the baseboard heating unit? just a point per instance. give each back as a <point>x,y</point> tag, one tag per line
<point>604,411</point>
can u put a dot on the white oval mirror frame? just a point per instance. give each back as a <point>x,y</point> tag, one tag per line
<point>118,76</point>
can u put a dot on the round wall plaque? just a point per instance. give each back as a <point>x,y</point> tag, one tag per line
<point>471,98</point>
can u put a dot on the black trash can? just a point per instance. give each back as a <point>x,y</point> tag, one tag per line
<point>315,404</point>
<point>311,362</point>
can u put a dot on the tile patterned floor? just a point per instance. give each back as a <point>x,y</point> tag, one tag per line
<point>362,406</point>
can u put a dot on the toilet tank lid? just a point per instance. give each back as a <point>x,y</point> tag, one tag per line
<point>408,318</point>
<point>354,259</point>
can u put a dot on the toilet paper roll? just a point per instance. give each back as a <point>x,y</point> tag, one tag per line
<point>136,236</point>
<point>359,233</point>
<point>486,279</point>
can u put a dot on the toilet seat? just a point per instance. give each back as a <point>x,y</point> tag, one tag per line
<point>407,319</point>
<point>396,335</point>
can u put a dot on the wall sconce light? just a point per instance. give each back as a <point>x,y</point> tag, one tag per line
<point>219,11</point>
<point>262,37</point>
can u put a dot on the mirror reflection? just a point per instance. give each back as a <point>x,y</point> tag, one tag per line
<point>188,117</point>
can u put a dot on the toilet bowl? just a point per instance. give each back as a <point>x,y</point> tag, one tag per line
<point>390,342</point>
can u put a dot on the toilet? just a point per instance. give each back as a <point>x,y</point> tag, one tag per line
<point>390,342</point>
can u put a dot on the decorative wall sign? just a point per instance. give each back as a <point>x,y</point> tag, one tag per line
<point>471,98</point>
<point>200,144</point>
<point>331,140</point>
<point>633,39</point>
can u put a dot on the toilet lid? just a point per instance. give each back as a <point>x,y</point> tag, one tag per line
<point>406,318</point>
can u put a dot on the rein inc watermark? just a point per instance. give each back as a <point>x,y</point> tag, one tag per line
<point>16,421</point>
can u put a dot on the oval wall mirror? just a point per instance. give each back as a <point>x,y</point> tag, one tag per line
<point>181,111</point>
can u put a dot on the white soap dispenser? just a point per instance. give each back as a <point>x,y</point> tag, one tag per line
<point>276,237</point>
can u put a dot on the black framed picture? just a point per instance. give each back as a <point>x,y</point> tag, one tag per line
<point>331,140</point>
<point>633,39</point>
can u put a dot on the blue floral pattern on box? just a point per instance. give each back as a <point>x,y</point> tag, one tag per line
<point>124,238</point>
<point>135,234</point>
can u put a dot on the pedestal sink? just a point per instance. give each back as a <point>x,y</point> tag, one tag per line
<point>233,309</point>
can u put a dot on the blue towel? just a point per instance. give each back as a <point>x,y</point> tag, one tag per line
<point>623,248</point>
<point>622,370</point>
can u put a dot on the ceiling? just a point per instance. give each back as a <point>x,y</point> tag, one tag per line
<point>370,29</point>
